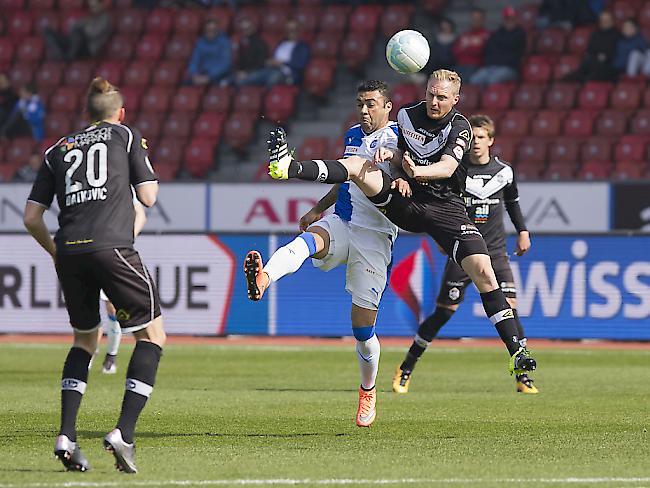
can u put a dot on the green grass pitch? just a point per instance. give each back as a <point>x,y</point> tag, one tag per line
<point>284,416</point>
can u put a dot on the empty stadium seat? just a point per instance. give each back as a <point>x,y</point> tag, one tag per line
<point>79,73</point>
<point>121,47</point>
<point>275,20</point>
<point>355,50</point>
<point>218,99</point>
<point>209,125</point>
<point>177,125</point>
<point>536,69</point>
<point>579,123</point>
<point>249,99</point>
<point>280,103</point>
<point>395,18</point>
<point>497,97</point>
<point>630,148</point>
<point>594,95</point>
<point>168,73</point>
<point>187,22</point>
<point>594,170</point>
<point>505,148</point>
<point>156,99</point>
<point>547,123</point>
<point>469,98</point>
<point>179,49</point>
<point>47,19</point>
<point>64,99</point>
<point>527,97</point>
<point>559,171</point>
<point>132,98</point>
<point>149,124</point>
<point>138,73</point>
<point>629,170</point>
<point>239,129</point>
<point>254,14</point>
<point>19,150</point>
<point>531,150</point>
<point>313,148</point>
<point>563,150</point>
<point>644,15</point>
<point>596,149</point>
<point>22,73</point>
<point>326,45</point>
<point>623,10</point>
<point>551,41</point>
<point>527,171</point>
<point>70,4</point>
<point>41,4</point>
<point>334,18</point>
<point>167,153</point>
<point>579,39</point>
<point>112,71</point>
<point>150,47</point>
<point>527,14</point>
<point>187,99</point>
<point>626,96</point>
<point>319,76</point>
<point>131,22</point>
<point>6,51</point>
<point>565,65</point>
<point>640,122</point>
<point>365,20</point>
<point>30,49</point>
<point>199,157</point>
<point>514,123</point>
<point>308,19</point>
<point>433,7</point>
<point>159,21</point>
<point>20,24</point>
<point>561,96</point>
<point>611,122</point>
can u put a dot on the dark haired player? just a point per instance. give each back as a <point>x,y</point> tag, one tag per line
<point>91,173</point>
<point>490,185</point>
<point>433,138</point>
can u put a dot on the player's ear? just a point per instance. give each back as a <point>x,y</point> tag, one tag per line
<point>388,106</point>
<point>122,114</point>
<point>490,141</point>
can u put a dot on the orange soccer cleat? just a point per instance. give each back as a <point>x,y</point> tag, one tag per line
<point>367,412</point>
<point>257,281</point>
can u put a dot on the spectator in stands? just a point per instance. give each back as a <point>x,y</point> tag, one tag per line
<point>27,117</point>
<point>28,172</point>
<point>632,51</point>
<point>441,46</point>
<point>287,63</point>
<point>87,36</point>
<point>252,52</point>
<point>598,60</point>
<point>503,52</point>
<point>8,99</point>
<point>565,14</point>
<point>211,60</point>
<point>469,48</point>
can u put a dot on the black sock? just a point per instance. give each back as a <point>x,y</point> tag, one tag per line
<point>73,386</point>
<point>323,171</point>
<point>520,329</point>
<point>426,332</point>
<point>140,378</point>
<point>381,198</point>
<point>500,314</point>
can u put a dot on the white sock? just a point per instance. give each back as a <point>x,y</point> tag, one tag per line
<point>113,336</point>
<point>287,259</point>
<point>368,356</point>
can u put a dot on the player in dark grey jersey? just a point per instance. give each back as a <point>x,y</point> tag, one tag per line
<point>433,139</point>
<point>490,185</point>
<point>91,173</point>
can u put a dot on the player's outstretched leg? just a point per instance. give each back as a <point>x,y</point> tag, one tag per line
<point>70,454</point>
<point>426,332</point>
<point>256,279</point>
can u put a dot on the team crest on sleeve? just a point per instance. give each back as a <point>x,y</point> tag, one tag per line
<point>465,134</point>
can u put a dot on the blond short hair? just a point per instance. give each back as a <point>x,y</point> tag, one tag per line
<point>103,99</point>
<point>446,75</point>
<point>483,122</point>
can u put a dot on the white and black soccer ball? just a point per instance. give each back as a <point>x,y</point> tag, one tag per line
<point>407,51</point>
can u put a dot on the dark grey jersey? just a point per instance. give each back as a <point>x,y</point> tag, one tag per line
<point>427,140</point>
<point>92,173</point>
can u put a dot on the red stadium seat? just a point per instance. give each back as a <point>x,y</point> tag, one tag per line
<point>165,173</point>
<point>218,99</point>
<point>131,22</point>
<point>514,123</point>
<point>594,95</point>
<point>22,73</point>
<point>334,18</point>
<point>280,103</point>
<point>536,69</point>
<point>497,97</point>
<point>168,153</point>
<point>187,99</point>
<point>351,120</point>
<point>19,150</point>
<point>150,48</point>
<point>469,98</point>
<point>326,45</point>
<point>45,19</point>
<point>239,127</point>
<point>561,96</point>
<point>629,170</point>
<point>187,22</point>
<point>132,97</point>
<point>531,151</point>
<point>6,51</point>
<point>41,4</point>
<point>611,123</point>
<point>551,41</point>
<point>355,50</point>
<point>505,148</point>
<point>79,73</point>
<point>528,15</point>
<point>199,157</point>
<point>594,170</point>
<point>626,96</point>
<point>178,125</point>
<point>168,73</point>
<point>156,99</point>
<point>563,150</point>
<point>209,125</point>
<point>71,17</point>
<point>527,97</point>
<point>65,99</point>
<point>335,149</point>
<point>644,15</point>
<point>404,94</point>
<point>179,49</point>
<point>223,15</point>
<point>365,20</point>
<point>630,148</point>
<point>149,124</point>
<point>560,171</point>
<point>579,39</point>
<point>57,124</point>
<point>395,19</point>
<point>547,123</point>
<point>565,65</point>
<point>30,49</point>
<point>249,99</point>
<point>526,172</point>
<point>20,24</point>
<point>433,7</point>
<point>112,71</point>
<point>640,122</point>
<point>70,4</point>
<point>254,14</point>
<point>138,73</point>
<point>313,148</point>
<point>159,21</point>
<point>579,123</point>
<point>307,18</point>
<point>275,20</point>
<point>596,149</point>
<point>623,10</point>
<point>319,76</point>
<point>49,74</point>
<point>121,48</point>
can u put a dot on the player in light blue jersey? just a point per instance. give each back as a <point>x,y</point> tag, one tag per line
<point>357,234</point>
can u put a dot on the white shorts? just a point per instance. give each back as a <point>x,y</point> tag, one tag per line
<point>103,297</point>
<point>367,254</point>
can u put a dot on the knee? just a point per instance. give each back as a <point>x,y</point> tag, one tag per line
<point>153,333</point>
<point>452,307</point>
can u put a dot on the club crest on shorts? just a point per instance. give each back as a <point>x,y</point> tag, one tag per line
<point>122,315</point>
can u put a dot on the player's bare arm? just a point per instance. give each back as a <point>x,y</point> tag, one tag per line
<point>147,193</point>
<point>523,243</point>
<point>441,170</point>
<point>323,204</point>
<point>35,225</point>
<point>140,218</point>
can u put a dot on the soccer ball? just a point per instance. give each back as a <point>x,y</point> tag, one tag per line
<point>407,51</point>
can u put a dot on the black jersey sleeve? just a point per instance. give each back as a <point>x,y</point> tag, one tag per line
<point>43,189</point>
<point>401,143</point>
<point>511,200</point>
<point>459,139</point>
<point>140,166</point>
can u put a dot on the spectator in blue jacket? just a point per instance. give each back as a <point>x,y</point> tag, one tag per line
<point>287,63</point>
<point>212,56</point>
<point>27,117</point>
<point>632,56</point>
<point>504,52</point>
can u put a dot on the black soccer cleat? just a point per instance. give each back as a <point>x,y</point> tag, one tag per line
<point>70,455</point>
<point>123,452</point>
<point>522,362</point>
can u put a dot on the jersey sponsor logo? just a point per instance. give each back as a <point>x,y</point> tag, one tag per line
<point>414,135</point>
<point>102,134</point>
<point>464,134</point>
<point>351,149</point>
<point>69,384</point>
